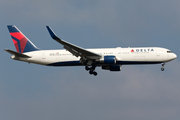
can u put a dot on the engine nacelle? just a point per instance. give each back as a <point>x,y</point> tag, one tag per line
<point>112,67</point>
<point>110,59</point>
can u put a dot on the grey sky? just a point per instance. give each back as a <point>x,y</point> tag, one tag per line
<point>66,93</point>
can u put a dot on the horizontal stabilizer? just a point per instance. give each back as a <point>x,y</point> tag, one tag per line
<point>17,54</point>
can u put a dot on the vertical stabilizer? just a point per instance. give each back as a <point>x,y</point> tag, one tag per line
<point>21,42</point>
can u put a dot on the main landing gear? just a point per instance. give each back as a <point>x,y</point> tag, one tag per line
<point>162,68</point>
<point>91,70</point>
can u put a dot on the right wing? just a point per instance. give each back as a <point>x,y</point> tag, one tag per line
<point>75,50</point>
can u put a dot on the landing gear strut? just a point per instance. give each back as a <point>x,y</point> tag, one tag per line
<point>162,68</point>
<point>91,70</point>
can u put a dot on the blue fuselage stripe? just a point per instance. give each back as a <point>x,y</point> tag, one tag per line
<point>77,63</point>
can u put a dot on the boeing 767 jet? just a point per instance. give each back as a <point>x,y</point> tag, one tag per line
<point>108,58</point>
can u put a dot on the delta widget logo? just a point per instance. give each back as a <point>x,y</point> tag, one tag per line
<point>142,50</point>
<point>19,41</point>
<point>132,50</point>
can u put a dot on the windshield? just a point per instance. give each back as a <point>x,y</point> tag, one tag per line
<point>169,52</point>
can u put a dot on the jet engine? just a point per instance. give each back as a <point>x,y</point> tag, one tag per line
<point>112,67</point>
<point>107,60</point>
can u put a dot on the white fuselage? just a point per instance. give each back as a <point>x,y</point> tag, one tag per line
<point>108,58</point>
<point>124,56</point>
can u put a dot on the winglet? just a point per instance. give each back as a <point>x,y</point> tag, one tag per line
<point>75,50</point>
<point>53,35</point>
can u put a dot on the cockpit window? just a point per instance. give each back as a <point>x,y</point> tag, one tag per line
<point>169,52</point>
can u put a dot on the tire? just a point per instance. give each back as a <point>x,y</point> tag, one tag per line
<point>90,72</point>
<point>95,73</point>
<point>87,68</point>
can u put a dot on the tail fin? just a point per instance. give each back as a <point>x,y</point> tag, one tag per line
<point>21,42</point>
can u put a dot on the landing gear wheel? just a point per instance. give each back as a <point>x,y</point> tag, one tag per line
<point>91,69</point>
<point>87,68</point>
<point>95,73</point>
<point>163,64</point>
<point>90,72</point>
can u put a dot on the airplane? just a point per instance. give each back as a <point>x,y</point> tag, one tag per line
<point>107,58</point>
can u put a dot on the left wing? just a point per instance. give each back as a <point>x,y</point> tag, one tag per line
<point>75,50</point>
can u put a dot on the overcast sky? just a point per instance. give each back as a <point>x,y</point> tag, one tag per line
<point>34,92</point>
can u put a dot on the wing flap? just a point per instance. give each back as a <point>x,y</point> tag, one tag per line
<point>75,50</point>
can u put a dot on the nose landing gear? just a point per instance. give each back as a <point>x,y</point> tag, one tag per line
<point>162,68</point>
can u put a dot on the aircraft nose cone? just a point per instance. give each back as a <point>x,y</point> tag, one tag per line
<point>174,56</point>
